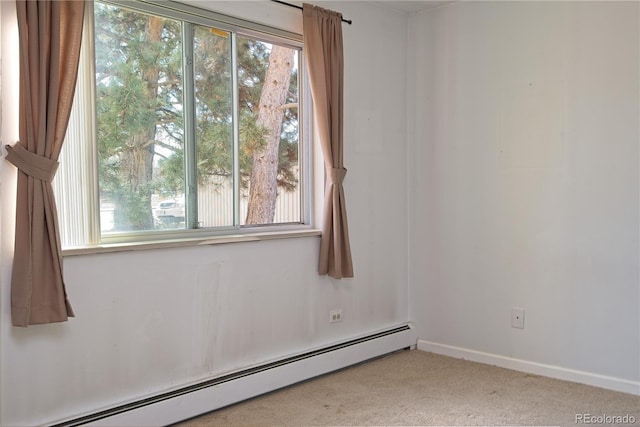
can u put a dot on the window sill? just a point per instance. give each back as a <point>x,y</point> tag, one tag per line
<point>184,242</point>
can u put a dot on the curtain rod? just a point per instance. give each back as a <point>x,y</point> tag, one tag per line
<point>348,21</point>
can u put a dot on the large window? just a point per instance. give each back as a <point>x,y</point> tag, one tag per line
<point>183,123</point>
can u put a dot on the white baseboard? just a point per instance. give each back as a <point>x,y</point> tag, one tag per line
<point>602,381</point>
<point>194,403</point>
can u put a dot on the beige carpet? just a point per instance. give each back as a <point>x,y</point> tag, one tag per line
<point>415,388</point>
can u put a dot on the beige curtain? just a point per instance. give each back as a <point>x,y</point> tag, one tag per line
<point>49,36</point>
<point>324,60</point>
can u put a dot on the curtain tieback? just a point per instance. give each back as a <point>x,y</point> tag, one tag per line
<point>336,176</point>
<point>32,164</point>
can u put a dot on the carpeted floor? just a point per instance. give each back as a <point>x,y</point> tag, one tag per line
<point>415,388</point>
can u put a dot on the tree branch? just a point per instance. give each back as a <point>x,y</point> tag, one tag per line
<point>288,106</point>
<point>163,144</point>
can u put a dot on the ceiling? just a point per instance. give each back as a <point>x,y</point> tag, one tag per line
<point>413,6</point>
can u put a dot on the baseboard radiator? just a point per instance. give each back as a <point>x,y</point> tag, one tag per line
<point>196,399</point>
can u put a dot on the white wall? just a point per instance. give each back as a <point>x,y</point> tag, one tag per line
<point>152,320</point>
<point>523,175</point>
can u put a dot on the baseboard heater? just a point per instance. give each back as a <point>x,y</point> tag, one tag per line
<point>193,400</point>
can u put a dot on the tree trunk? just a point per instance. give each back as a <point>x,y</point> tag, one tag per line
<point>137,159</point>
<point>263,181</point>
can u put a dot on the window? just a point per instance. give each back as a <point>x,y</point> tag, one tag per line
<point>184,122</point>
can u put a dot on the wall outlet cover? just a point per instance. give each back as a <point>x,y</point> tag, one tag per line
<point>517,317</point>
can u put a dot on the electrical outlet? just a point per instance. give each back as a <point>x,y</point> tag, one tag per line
<point>335,315</point>
<point>517,317</point>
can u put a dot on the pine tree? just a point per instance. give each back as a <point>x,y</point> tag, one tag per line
<point>264,183</point>
<point>140,114</point>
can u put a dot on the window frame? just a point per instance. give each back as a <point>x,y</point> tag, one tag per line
<point>191,15</point>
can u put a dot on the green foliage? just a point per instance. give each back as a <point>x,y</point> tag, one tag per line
<point>137,215</point>
<point>171,181</point>
<point>135,56</point>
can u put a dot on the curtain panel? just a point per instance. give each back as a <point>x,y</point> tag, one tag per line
<point>49,39</point>
<point>322,33</point>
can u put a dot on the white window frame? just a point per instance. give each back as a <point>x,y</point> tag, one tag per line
<point>84,220</point>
